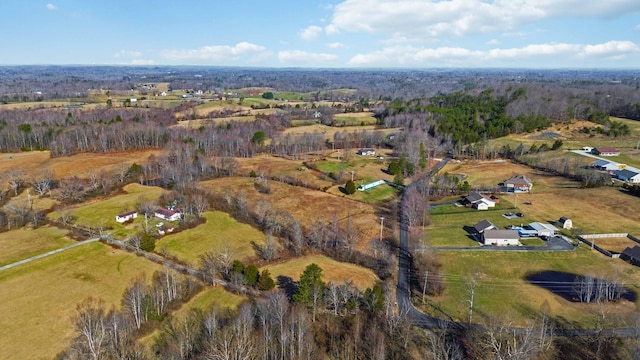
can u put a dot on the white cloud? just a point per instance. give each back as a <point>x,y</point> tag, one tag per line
<point>337,45</point>
<point>454,56</point>
<point>216,53</point>
<point>432,18</point>
<point>127,54</point>
<point>493,42</point>
<point>142,62</point>
<point>301,58</point>
<point>311,33</point>
<point>51,6</point>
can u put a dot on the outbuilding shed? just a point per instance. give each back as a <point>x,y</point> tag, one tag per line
<point>544,229</point>
<point>565,222</point>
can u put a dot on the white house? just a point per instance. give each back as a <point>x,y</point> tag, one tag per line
<point>366,152</point>
<point>544,229</point>
<point>566,222</point>
<point>168,215</point>
<point>479,201</point>
<point>605,151</point>
<point>501,237</point>
<point>124,217</point>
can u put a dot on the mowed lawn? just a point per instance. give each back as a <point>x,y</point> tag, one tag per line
<point>16,245</point>
<point>103,212</point>
<point>502,290</point>
<point>220,231</point>
<point>332,271</point>
<point>37,299</point>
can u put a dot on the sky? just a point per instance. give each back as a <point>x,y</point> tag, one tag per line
<point>324,33</point>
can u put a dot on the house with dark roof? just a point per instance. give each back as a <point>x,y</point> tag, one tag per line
<point>627,176</point>
<point>632,255</point>
<point>605,151</point>
<point>478,201</point>
<point>124,217</point>
<point>484,225</point>
<point>518,183</point>
<point>168,215</point>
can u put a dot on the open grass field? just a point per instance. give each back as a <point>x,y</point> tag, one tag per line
<point>332,271</point>
<point>80,165</point>
<point>218,232</point>
<point>354,119</point>
<point>16,245</point>
<point>102,212</point>
<point>38,299</point>
<point>307,205</point>
<point>502,290</point>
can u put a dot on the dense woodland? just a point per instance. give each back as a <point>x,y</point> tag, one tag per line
<point>441,112</point>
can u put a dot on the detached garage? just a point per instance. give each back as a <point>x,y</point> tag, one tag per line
<point>501,237</point>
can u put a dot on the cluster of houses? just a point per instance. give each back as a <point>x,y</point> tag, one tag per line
<point>164,214</point>
<point>601,151</point>
<point>514,184</point>
<point>620,171</point>
<point>489,234</point>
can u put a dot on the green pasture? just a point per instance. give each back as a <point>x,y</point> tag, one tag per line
<point>219,232</point>
<point>16,245</point>
<point>38,299</point>
<point>502,290</point>
<point>346,120</point>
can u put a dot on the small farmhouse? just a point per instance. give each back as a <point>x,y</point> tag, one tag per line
<point>627,176</point>
<point>366,152</point>
<point>478,201</point>
<point>501,237</point>
<point>565,222</point>
<point>168,215</point>
<point>543,229</point>
<point>483,226</point>
<point>124,217</point>
<point>605,151</point>
<point>518,183</point>
<point>632,255</point>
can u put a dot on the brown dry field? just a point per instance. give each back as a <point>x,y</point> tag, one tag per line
<point>332,271</point>
<point>329,131</point>
<point>307,205</point>
<point>615,244</point>
<point>272,166</point>
<point>598,210</point>
<point>80,165</point>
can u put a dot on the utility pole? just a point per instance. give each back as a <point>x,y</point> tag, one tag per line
<point>424,288</point>
<point>381,225</point>
<point>352,172</point>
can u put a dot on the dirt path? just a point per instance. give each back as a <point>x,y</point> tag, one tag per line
<point>24,261</point>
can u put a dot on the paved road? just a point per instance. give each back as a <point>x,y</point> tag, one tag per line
<point>9,266</point>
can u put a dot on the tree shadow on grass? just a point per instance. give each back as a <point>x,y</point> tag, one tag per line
<point>287,285</point>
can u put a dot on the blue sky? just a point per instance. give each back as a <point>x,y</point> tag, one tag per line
<point>324,33</point>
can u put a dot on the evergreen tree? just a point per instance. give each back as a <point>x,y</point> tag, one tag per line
<point>350,187</point>
<point>265,281</point>
<point>251,274</point>
<point>310,288</point>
